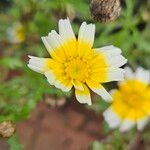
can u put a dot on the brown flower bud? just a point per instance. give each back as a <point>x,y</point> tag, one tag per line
<point>105,10</point>
<point>7,128</point>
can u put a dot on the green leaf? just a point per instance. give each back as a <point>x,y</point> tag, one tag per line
<point>11,63</point>
<point>13,143</point>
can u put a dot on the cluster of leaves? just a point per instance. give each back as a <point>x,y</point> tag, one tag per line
<point>20,88</point>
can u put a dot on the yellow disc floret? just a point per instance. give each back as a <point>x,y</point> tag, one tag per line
<point>132,100</point>
<point>77,69</point>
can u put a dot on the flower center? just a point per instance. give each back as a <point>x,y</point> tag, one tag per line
<point>133,93</point>
<point>77,69</point>
<point>20,34</point>
<point>132,100</point>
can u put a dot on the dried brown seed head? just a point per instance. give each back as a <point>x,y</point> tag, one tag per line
<point>105,10</point>
<point>7,128</point>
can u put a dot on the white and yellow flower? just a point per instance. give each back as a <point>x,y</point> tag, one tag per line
<point>75,63</point>
<point>16,33</point>
<point>131,102</point>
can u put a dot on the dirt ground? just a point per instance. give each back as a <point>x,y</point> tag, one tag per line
<point>71,127</point>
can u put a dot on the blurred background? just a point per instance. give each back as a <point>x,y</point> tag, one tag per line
<point>42,116</point>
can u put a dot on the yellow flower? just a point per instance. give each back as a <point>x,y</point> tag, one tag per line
<point>16,33</point>
<point>131,102</point>
<point>75,63</point>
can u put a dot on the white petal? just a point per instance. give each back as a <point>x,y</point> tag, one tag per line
<point>110,50</point>
<point>78,85</point>
<point>63,87</point>
<point>83,99</point>
<point>113,56</point>
<point>54,42</point>
<point>143,75</point>
<point>142,123</point>
<point>65,29</point>
<point>115,74</point>
<point>36,69</point>
<point>37,64</point>
<point>50,77</point>
<point>87,33</point>
<point>111,118</point>
<point>82,30</point>
<point>126,125</point>
<point>58,84</point>
<point>103,93</point>
<point>47,45</point>
<point>98,89</point>
<point>83,96</point>
<point>116,61</point>
<point>129,73</point>
<point>54,39</point>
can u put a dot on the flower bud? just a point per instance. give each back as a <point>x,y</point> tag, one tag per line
<point>105,10</point>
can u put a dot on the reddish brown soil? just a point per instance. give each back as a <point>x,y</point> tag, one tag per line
<point>3,145</point>
<point>71,127</point>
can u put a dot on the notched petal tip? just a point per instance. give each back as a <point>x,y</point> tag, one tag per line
<point>84,99</point>
<point>29,56</point>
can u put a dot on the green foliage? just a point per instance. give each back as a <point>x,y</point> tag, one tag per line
<point>97,146</point>
<point>114,141</point>
<point>14,143</point>
<point>99,105</point>
<point>11,63</point>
